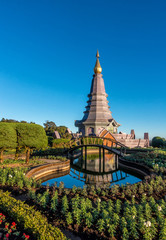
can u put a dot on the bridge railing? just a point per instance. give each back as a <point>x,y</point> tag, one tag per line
<point>98,141</point>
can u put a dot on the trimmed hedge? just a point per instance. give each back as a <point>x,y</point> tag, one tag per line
<point>61,140</point>
<point>8,138</point>
<point>60,143</point>
<point>31,220</point>
<point>21,135</point>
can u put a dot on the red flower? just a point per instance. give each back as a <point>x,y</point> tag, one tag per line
<point>26,236</point>
<point>6,226</point>
<point>13,223</point>
<point>7,235</point>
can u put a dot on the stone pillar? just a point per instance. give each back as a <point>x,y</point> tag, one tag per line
<point>146,136</point>
<point>132,133</point>
<point>86,131</point>
<point>95,130</point>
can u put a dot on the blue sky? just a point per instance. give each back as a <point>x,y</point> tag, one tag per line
<point>47,56</point>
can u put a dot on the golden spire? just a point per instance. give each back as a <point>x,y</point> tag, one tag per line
<point>97,68</point>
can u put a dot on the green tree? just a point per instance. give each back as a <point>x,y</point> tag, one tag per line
<point>8,137</point>
<point>158,142</point>
<point>63,132</point>
<point>49,127</point>
<point>9,120</point>
<point>30,136</point>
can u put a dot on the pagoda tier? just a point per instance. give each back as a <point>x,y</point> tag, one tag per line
<point>97,115</point>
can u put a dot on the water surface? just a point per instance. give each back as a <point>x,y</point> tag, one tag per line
<point>91,170</point>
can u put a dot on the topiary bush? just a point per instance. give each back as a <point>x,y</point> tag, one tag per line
<point>31,136</point>
<point>8,137</point>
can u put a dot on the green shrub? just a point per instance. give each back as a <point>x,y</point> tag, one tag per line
<point>60,142</point>
<point>101,225</point>
<point>43,199</point>
<point>65,205</point>
<point>69,218</point>
<point>54,202</point>
<point>29,219</point>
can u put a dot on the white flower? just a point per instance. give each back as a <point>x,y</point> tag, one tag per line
<point>133,217</point>
<point>159,208</point>
<point>147,224</point>
<point>99,200</point>
<point>133,196</point>
<point>10,176</point>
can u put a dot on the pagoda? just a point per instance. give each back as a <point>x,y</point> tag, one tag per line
<point>97,115</point>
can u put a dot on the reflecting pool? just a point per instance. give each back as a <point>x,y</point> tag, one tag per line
<point>92,170</point>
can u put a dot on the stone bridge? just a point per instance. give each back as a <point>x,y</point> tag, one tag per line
<point>100,142</point>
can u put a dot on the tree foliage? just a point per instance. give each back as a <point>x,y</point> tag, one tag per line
<point>9,120</point>
<point>63,132</point>
<point>8,137</point>
<point>14,121</point>
<point>50,127</point>
<point>158,142</point>
<point>21,135</point>
<point>31,136</point>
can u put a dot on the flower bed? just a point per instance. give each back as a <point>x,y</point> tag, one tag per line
<point>107,213</point>
<point>15,178</point>
<point>118,213</point>
<point>33,162</point>
<point>154,186</point>
<point>9,230</point>
<point>155,159</point>
<point>30,220</point>
<point>52,157</point>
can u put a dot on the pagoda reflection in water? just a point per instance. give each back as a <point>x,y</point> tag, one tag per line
<point>100,172</point>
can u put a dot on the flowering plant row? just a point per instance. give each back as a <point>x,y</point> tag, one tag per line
<point>16,177</point>
<point>155,160</point>
<point>153,186</point>
<point>9,230</point>
<point>111,220</point>
<point>21,162</point>
<point>29,219</point>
